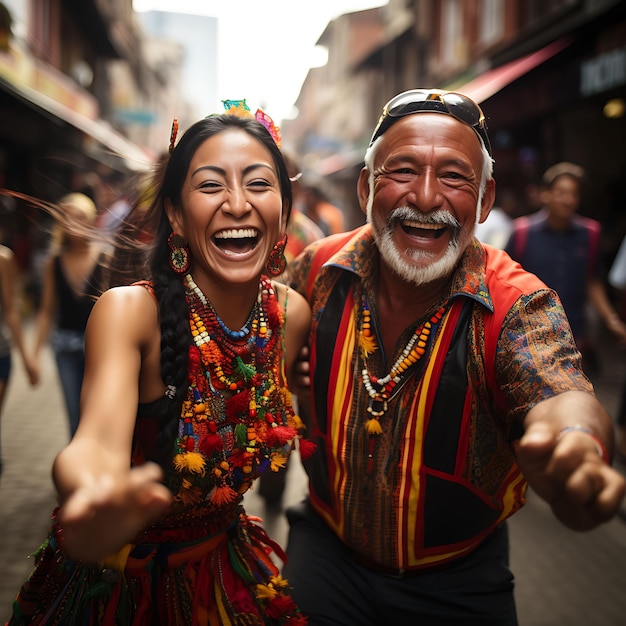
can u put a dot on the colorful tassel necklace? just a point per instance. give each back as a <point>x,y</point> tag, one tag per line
<point>382,390</point>
<point>238,419</point>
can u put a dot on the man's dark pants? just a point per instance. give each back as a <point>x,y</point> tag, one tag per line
<point>332,588</point>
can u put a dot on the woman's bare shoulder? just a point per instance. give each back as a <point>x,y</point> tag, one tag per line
<point>296,303</point>
<point>130,308</point>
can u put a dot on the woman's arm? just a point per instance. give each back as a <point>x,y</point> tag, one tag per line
<point>8,271</point>
<point>103,501</point>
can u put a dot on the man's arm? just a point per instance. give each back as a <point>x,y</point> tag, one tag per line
<point>566,429</point>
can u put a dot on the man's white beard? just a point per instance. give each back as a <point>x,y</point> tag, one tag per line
<point>416,274</point>
<point>419,274</point>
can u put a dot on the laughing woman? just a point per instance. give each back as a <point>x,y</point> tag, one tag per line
<point>184,404</point>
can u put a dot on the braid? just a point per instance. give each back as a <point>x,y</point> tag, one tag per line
<point>175,342</point>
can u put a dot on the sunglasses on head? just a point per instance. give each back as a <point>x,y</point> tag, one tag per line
<point>451,103</point>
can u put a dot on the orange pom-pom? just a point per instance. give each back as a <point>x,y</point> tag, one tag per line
<point>223,495</point>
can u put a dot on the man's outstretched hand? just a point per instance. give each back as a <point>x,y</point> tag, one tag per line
<point>568,472</point>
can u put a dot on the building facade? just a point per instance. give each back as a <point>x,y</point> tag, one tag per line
<point>55,93</point>
<point>550,76</point>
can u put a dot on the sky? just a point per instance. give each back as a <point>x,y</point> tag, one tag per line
<point>265,47</point>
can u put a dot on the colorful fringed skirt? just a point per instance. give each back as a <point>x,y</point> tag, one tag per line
<point>227,578</point>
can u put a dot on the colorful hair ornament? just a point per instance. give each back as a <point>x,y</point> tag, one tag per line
<point>268,122</point>
<point>173,134</point>
<point>237,107</point>
<point>241,109</point>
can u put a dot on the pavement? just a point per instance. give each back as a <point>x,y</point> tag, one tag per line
<point>562,577</point>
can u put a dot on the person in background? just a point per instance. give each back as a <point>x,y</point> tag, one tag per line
<point>444,381</point>
<point>73,278</point>
<point>562,248</point>
<point>184,404</point>
<point>302,230</point>
<point>496,229</point>
<point>10,319</point>
<point>317,207</point>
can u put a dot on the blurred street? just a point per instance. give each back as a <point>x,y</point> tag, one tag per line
<point>562,577</point>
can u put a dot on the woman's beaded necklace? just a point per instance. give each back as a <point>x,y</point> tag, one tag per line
<point>238,418</point>
<point>382,390</point>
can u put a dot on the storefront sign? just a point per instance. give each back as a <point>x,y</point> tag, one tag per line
<point>604,72</point>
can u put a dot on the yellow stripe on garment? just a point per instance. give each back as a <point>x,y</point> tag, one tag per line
<point>415,424</point>
<point>219,600</point>
<point>514,495</point>
<point>340,393</point>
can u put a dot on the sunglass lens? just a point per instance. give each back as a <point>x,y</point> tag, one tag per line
<point>406,102</point>
<point>463,108</point>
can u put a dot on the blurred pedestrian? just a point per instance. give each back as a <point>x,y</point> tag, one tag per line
<point>562,248</point>
<point>10,319</point>
<point>314,203</point>
<point>184,404</point>
<point>74,275</point>
<point>497,228</point>
<point>302,230</point>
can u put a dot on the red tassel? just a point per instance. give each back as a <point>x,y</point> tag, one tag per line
<point>307,448</point>
<point>237,405</point>
<point>210,443</point>
<point>280,606</point>
<point>279,435</point>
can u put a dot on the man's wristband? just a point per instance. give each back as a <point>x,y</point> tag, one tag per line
<point>600,447</point>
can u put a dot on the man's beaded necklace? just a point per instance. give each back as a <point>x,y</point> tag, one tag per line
<point>382,390</point>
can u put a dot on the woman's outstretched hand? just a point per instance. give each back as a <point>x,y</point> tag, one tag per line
<point>100,518</point>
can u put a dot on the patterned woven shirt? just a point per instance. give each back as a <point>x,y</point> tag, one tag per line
<point>442,475</point>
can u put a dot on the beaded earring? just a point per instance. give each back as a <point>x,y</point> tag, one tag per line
<point>276,263</point>
<point>179,254</point>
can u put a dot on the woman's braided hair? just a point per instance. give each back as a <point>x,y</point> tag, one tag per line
<point>168,287</point>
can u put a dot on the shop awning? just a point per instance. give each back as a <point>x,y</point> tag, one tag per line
<point>492,81</point>
<point>135,158</point>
